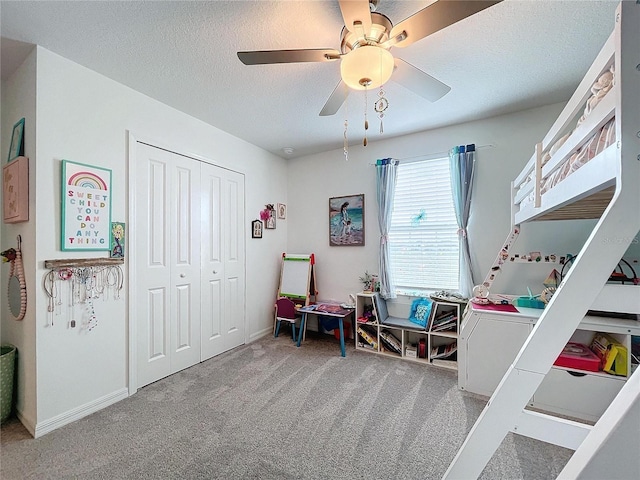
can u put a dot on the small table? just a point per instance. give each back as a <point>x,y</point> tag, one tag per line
<point>329,310</point>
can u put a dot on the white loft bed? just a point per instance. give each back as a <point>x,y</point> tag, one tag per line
<point>607,187</point>
<point>587,190</point>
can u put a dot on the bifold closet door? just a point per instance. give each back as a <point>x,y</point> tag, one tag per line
<point>167,223</point>
<point>223,263</point>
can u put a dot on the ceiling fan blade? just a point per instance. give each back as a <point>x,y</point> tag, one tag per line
<point>336,99</point>
<point>354,11</point>
<point>418,81</point>
<point>435,17</point>
<point>262,57</point>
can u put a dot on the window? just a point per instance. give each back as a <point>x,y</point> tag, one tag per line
<point>423,240</point>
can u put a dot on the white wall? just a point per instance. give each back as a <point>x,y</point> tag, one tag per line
<point>19,100</point>
<point>85,117</point>
<point>315,178</point>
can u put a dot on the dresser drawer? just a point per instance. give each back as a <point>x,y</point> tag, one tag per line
<point>586,396</point>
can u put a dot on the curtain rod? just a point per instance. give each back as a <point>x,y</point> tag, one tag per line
<point>438,154</point>
<point>429,156</point>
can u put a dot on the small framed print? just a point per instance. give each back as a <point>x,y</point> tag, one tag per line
<point>117,240</point>
<point>256,229</point>
<point>17,136</point>
<point>15,191</point>
<point>282,211</point>
<point>270,223</point>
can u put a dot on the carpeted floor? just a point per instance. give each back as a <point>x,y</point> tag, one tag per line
<point>269,410</point>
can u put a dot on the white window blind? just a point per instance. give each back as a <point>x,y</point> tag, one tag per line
<point>423,240</point>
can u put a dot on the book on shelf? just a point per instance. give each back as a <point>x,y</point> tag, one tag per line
<point>444,326</point>
<point>366,345</point>
<point>442,362</point>
<point>445,318</point>
<point>444,351</point>
<point>449,313</point>
<point>390,341</point>
<point>368,337</point>
<point>435,321</point>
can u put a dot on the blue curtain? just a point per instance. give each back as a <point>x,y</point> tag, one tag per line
<point>462,161</point>
<point>386,175</point>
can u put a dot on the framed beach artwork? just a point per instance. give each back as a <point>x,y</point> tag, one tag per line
<point>346,221</point>
<point>86,207</point>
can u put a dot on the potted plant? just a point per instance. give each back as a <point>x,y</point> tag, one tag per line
<point>367,282</point>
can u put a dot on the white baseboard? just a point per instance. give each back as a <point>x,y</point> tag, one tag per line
<point>79,412</point>
<point>262,333</point>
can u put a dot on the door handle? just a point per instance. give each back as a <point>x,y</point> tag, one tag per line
<point>215,271</point>
<point>182,275</point>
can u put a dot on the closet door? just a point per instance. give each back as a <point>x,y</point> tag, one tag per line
<point>223,265</point>
<point>185,263</point>
<point>167,262</point>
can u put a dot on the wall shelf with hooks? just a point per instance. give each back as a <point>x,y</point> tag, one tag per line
<point>83,262</point>
<point>79,282</point>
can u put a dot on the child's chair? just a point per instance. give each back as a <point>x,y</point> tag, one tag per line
<point>286,312</point>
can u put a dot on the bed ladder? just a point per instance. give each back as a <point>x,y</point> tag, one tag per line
<point>615,230</point>
<point>505,410</point>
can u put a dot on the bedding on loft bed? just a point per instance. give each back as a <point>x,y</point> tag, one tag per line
<point>596,144</point>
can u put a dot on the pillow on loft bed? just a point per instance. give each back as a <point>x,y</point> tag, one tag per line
<point>420,311</point>
<point>599,89</point>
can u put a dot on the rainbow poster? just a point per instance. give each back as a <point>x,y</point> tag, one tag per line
<point>86,207</point>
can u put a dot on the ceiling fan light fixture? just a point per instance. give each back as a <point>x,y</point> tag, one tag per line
<point>366,67</point>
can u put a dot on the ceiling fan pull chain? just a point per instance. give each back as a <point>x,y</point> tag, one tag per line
<point>366,123</point>
<point>346,127</point>
<point>380,95</point>
<point>346,142</point>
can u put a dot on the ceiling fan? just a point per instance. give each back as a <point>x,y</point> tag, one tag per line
<point>365,41</point>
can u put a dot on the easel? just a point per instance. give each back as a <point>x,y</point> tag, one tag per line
<point>298,278</point>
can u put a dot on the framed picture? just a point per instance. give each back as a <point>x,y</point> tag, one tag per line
<point>86,207</point>
<point>271,221</point>
<point>256,229</point>
<point>282,211</point>
<point>15,190</point>
<point>17,148</point>
<point>117,240</point>
<point>346,221</point>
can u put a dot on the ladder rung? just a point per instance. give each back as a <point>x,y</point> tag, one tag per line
<point>555,430</point>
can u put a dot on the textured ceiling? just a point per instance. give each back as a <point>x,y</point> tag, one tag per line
<point>515,55</point>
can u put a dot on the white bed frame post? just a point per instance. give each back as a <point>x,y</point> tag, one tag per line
<point>604,248</point>
<point>538,171</point>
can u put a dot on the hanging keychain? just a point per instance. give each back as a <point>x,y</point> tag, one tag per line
<point>380,106</point>
<point>382,103</point>
<point>48,285</point>
<point>72,322</point>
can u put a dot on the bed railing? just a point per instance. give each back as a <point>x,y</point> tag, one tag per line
<point>566,121</point>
